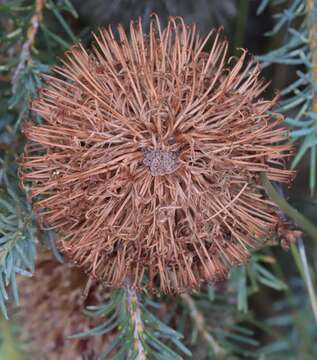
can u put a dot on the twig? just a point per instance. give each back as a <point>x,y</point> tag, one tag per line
<point>306,225</point>
<point>201,325</point>
<point>306,274</point>
<point>293,213</point>
<point>135,313</point>
<point>27,46</point>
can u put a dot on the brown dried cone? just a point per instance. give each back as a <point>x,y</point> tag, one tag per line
<point>52,304</point>
<point>149,157</point>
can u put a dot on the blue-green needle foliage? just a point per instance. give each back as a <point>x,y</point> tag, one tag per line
<point>247,280</point>
<point>293,328</point>
<point>221,321</point>
<point>35,56</point>
<point>17,236</point>
<point>211,321</point>
<point>140,334</point>
<point>218,322</point>
<point>27,26</point>
<point>298,22</point>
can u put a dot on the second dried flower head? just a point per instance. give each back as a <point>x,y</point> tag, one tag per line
<point>148,161</point>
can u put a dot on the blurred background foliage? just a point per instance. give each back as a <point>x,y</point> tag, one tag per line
<point>268,309</point>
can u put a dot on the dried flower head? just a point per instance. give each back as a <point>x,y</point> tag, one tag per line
<point>52,309</point>
<point>148,159</point>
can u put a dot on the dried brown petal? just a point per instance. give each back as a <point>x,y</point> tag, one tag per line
<point>148,160</point>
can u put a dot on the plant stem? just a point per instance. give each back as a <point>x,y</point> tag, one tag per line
<point>135,313</point>
<point>242,18</point>
<point>289,210</point>
<point>305,272</point>
<point>30,38</point>
<point>307,226</point>
<point>199,320</point>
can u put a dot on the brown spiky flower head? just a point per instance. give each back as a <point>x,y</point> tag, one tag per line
<point>149,157</point>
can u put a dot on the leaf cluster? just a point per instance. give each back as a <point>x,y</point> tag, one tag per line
<point>297,21</point>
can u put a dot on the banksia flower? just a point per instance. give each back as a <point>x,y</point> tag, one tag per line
<point>52,309</point>
<point>149,158</point>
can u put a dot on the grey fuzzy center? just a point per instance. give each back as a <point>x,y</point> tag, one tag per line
<point>161,162</point>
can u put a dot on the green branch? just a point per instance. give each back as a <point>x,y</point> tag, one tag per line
<point>289,210</point>
<point>303,267</point>
<point>199,321</point>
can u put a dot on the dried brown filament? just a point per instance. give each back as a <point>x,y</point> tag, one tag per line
<point>148,160</point>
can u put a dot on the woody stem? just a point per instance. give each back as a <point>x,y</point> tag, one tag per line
<point>138,351</point>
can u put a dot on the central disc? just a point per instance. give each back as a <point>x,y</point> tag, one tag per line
<point>161,162</point>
